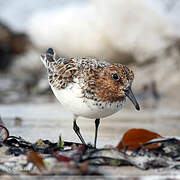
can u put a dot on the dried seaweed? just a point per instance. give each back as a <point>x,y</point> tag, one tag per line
<point>69,158</point>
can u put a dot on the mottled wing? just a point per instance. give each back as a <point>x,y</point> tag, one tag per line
<point>61,71</point>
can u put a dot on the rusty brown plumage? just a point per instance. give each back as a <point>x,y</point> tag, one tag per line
<point>94,76</point>
<point>109,89</point>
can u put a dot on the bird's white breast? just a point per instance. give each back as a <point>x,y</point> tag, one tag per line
<point>72,98</point>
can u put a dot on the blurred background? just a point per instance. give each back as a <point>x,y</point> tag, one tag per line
<point>143,34</point>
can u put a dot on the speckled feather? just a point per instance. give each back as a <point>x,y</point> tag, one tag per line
<point>93,76</point>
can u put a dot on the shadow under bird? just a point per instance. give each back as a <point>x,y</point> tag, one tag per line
<point>88,87</point>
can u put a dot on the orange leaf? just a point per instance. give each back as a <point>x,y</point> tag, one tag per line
<point>134,138</point>
<point>36,159</point>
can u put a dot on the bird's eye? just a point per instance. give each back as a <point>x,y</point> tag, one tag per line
<point>115,77</point>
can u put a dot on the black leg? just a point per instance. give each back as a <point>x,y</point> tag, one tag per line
<point>97,122</point>
<point>77,131</point>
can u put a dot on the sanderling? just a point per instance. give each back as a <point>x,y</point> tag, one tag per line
<point>88,87</point>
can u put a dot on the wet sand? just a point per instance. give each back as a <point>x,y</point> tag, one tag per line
<point>48,121</point>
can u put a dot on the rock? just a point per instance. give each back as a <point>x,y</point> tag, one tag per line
<point>11,44</point>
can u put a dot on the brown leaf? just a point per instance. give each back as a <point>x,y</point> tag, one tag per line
<point>134,138</point>
<point>62,158</point>
<point>36,159</point>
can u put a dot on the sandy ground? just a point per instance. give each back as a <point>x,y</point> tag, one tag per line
<point>48,121</point>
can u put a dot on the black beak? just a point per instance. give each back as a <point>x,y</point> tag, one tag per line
<point>128,92</point>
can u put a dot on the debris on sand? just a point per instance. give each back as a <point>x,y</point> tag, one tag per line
<point>46,158</point>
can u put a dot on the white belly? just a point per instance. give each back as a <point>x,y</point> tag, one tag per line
<point>72,99</point>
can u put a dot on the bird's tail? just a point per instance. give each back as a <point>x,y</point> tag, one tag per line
<point>49,58</point>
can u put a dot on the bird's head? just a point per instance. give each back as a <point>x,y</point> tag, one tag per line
<point>114,84</point>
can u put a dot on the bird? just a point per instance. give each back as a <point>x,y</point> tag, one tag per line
<point>89,87</point>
